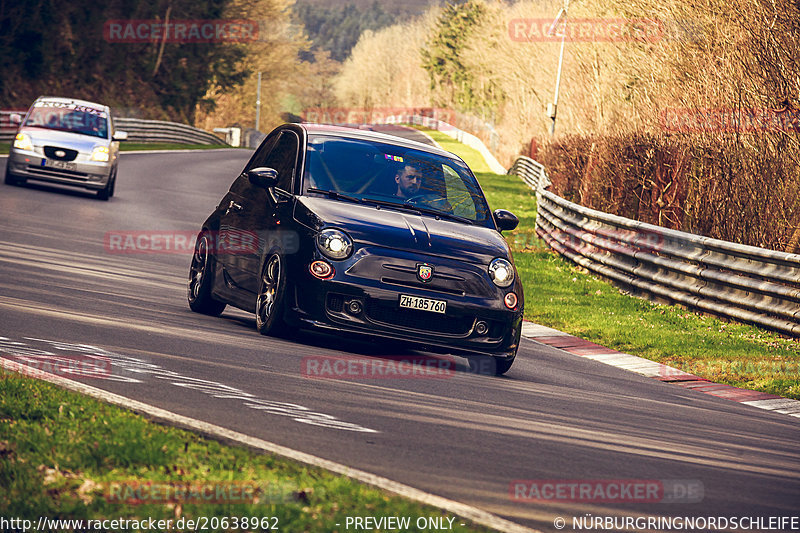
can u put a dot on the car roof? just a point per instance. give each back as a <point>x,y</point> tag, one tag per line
<point>75,101</point>
<point>355,133</point>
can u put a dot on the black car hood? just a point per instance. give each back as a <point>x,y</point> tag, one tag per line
<point>401,230</point>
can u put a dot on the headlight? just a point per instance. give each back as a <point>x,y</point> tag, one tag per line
<point>23,142</point>
<point>100,153</point>
<point>334,243</point>
<point>501,272</point>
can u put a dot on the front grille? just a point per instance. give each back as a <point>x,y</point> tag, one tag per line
<point>335,302</point>
<point>497,329</point>
<point>413,270</point>
<point>420,285</point>
<point>69,155</point>
<point>390,315</point>
<point>60,172</point>
<point>449,276</point>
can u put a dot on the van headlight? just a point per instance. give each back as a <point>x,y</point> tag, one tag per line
<point>100,153</point>
<point>23,142</point>
<point>335,244</point>
<point>502,272</point>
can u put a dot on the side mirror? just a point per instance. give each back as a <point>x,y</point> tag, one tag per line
<point>15,118</point>
<point>120,136</point>
<point>505,220</point>
<point>263,177</point>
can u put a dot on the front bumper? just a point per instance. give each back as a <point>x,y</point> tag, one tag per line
<point>88,174</point>
<point>472,324</point>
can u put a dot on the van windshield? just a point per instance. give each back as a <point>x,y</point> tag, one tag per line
<point>70,117</point>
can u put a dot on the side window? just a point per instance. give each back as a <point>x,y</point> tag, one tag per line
<point>458,195</point>
<point>283,158</point>
<point>261,154</point>
<point>242,186</point>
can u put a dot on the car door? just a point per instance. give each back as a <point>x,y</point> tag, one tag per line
<point>234,219</point>
<point>250,223</point>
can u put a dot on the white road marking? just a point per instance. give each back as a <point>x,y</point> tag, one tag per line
<point>215,432</point>
<point>36,360</point>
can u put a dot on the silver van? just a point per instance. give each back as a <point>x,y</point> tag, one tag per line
<point>66,141</point>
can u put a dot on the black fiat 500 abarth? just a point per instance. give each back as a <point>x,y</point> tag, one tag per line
<point>356,231</point>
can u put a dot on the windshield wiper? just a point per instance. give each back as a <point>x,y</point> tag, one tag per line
<point>443,214</point>
<point>420,210</point>
<point>335,195</point>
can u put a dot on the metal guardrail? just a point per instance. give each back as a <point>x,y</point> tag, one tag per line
<point>745,283</point>
<point>532,172</point>
<point>153,131</point>
<point>7,129</point>
<point>142,131</point>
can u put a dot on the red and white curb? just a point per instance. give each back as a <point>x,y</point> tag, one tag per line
<point>645,367</point>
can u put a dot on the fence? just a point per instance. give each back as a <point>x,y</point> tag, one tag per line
<point>153,131</point>
<point>7,129</point>
<point>746,283</point>
<point>532,172</point>
<point>142,131</point>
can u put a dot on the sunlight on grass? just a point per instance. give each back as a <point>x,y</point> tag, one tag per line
<point>65,455</point>
<point>564,296</point>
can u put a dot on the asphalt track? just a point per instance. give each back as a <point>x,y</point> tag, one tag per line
<point>65,290</point>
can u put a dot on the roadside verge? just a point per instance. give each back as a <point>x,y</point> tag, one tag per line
<point>661,372</point>
<point>67,476</point>
<point>564,296</point>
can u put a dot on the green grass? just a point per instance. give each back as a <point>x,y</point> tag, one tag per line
<point>4,147</point>
<point>564,296</point>
<point>65,455</point>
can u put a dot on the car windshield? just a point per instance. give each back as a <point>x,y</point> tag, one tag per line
<point>390,174</point>
<point>69,117</point>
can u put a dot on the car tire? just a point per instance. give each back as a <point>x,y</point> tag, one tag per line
<point>489,365</point>
<point>108,191</point>
<point>201,279</point>
<point>113,183</point>
<point>271,297</point>
<point>10,178</point>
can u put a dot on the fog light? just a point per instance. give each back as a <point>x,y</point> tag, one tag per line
<point>321,269</point>
<point>354,307</point>
<point>481,328</point>
<point>510,300</point>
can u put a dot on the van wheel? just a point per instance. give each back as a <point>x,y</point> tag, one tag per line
<point>10,178</point>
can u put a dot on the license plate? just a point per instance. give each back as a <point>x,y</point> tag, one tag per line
<point>66,165</point>
<point>422,304</point>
